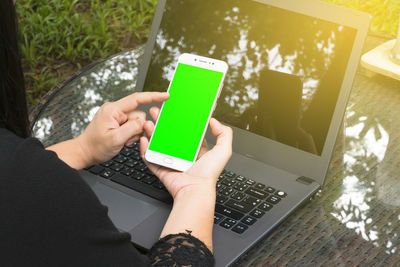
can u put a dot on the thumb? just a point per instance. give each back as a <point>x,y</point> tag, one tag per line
<point>223,134</point>
<point>129,129</point>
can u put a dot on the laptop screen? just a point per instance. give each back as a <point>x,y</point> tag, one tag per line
<point>285,69</point>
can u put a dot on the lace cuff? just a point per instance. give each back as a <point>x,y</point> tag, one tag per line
<point>180,250</point>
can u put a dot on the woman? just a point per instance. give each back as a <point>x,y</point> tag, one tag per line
<point>51,217</point>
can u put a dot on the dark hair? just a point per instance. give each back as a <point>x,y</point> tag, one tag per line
<point>13,105</point>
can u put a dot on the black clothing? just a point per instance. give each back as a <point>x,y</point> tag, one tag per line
<point>51,217</point>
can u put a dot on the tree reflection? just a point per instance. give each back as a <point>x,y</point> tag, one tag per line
<point>251,36</point>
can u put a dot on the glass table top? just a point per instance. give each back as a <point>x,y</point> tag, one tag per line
<point>353,220</point>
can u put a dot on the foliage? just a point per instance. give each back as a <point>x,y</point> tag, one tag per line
<point>60,36</point>
<point>385,13</point>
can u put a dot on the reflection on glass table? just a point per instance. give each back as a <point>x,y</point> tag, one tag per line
<point>69,110</point>
<point>354,220</point>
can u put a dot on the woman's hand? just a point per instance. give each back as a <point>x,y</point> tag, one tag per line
<point>114,124</point>
<point>194,190</point>
<point>205,171</point>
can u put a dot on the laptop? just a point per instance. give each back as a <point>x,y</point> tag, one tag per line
<point>292,65</point>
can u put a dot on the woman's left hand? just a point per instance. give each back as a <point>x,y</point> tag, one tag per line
<point>116,124</point>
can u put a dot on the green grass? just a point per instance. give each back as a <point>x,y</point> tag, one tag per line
<point>58,37</point>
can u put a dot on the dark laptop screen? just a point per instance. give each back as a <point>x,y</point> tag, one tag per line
<point>286,69</point>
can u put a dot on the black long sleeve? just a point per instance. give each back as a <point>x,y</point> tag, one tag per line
<point>51,217</point>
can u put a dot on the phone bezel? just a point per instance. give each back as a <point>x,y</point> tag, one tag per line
<point>197,61</point>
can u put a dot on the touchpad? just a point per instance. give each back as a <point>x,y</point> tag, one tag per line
<point>126,212</point>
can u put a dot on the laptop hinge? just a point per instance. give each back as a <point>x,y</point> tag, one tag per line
<point>305,180</point>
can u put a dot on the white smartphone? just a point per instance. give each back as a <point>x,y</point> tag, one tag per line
<point>184,117</point>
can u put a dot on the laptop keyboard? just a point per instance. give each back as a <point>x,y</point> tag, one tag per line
<point>128,169</point>
<point>240,201</point>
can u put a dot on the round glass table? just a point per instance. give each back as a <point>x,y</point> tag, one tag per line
<point>353,220</point>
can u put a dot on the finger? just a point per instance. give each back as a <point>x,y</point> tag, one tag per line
<point>137,114</point>
<point>128,130</point>
<point>154,113</point>
<point>133,140</point>
<point>130,102</point>
<point>144,144</point>
<point>224,135</point>
<point>148,128</point>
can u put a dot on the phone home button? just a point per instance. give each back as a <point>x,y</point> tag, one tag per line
<point>168,160</point>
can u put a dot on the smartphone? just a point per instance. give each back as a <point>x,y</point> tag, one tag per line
<point>184,117</point>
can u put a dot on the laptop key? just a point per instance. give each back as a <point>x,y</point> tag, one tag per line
<point>117,167</point>
<point>126,151</point>
<point>250,182</point>
<point>228,223</point>
<point>269,189</point>
<point>257,213</point>
<point>248,220</point>
<point>240,186</point>
<point>107,174</point>
<point>107,163</point>
<point>230,174</point>
<point>149,179</point>
<point>136,146</point>
<point>220,186</point>
<point>240,228</point>
<point>229,181</point>
<point>265,206</point>
<point>280,194</point>
<point>96,169</point>
<point>141,167</point>
<point>228,212</point>
<point>240,206</point>
<point>158,185</point>
<point>259,186</point>
<point>136,157</point>
<point>127,171</point>
<point>273,199</point>
<point>131,163</point>
<point>252,201</point>
<point>217,218</point>
<point>256,193</point>
<point>240,178</point>
<point>142,187</point>
<point>137,175</point>
<point>238,196</point>
<point>221,199</point>
<point>226,191</point>
<point>120,158</point>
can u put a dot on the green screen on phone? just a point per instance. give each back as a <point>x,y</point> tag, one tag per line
<point>184,115</point>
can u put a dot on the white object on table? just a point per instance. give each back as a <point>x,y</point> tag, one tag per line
<point>384,59</point>
<point>378,60</point>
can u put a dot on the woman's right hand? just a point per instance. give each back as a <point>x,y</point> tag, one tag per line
<point>205,171</point>
<point>194,191</point>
